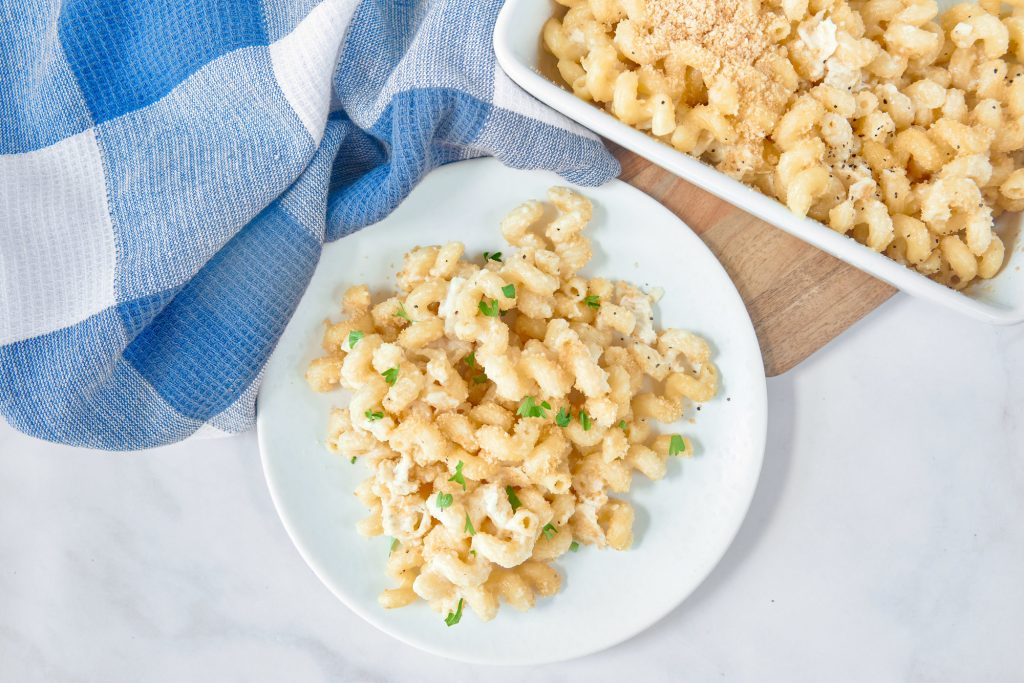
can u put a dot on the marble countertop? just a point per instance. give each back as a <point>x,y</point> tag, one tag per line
<point>885,542</point>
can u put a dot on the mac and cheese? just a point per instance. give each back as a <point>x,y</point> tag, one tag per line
<point>879,118</point>
<point>497,402</point>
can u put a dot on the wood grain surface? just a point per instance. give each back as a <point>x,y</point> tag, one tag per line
<point>799,297</point>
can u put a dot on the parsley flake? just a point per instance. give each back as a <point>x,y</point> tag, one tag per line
<point>513,499</point>
<point>490,310</point>
<point>585,421</point>
<point>353,338</point>
<point>353,460</point>
<point>401,313</point>
<point>509,291</point>
<point>594,301</point>
<point>563,418</point>
<point>622,426</point>
<point>374,415</point>
<point>454,617</point>
<point>574,547</point>
<point>549,531</point>
<point>457,477</point>
<point>676,445</point>
<point>469,526</point>
<point>471,360</point>
<point>444,500</point>
<point>390,376</point>
<point>488,256</point>
<point>530,408</point>
<point>480,379</point>
<point>394,544</point>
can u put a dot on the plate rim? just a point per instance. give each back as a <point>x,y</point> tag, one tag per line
<point>759,430</point>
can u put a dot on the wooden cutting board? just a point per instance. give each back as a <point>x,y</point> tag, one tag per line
<point>799,297</point>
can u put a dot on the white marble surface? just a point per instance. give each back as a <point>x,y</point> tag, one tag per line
<point>885,543</point>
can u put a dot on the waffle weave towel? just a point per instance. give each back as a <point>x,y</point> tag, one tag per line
<point>169,170</point>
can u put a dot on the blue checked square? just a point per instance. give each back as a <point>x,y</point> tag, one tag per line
<point>40,103</point>
<point>130,53</point>
<point>184,173</point>
<point>281,16</point>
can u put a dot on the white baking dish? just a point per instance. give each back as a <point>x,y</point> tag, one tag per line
<point>518,46</point>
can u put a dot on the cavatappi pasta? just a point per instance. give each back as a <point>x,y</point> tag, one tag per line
<point>497,402</point>
<point>880,118</point>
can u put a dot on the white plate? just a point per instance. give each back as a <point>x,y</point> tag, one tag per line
<point>517,44</point>
<point>684,523</point>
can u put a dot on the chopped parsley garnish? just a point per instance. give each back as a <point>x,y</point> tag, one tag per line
<point>622,426</point>
<point>676,445</point>
<point>394,544</point>
<point>469,526</point>
<point>563,418</point>
<point>353,338</point>
<point>490,310</point>
<point>574,547</point>
<point>513,499</point>
<point>594,301</point>
<point>549,531</point>
<point>353,460</point>
<point>374,415</point>
<point>471,360</point>
<point>530,408</point>
<point>480,379</point>
<point>454,617</point>
<point>509,291</point>
<point>488,256</point>
<point>390,376</point>
<point>401,313</point>
<point>444,500</point>
<point>585,421</point>
<point>457,477</point>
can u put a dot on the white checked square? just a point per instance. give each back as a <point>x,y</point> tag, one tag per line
<point>510,96</point>
<point>57,254</point>
<point>304,62</point>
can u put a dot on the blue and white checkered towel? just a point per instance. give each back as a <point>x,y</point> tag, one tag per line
<point>169,170</point>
